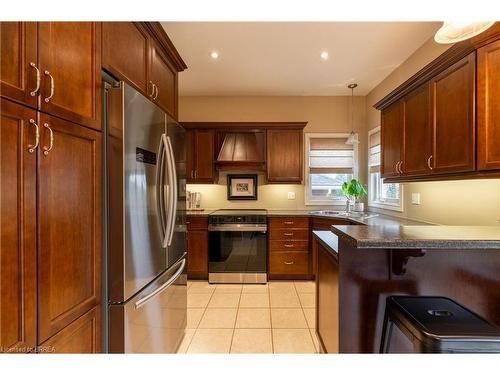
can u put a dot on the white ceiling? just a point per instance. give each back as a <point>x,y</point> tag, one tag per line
<point>273,58</point>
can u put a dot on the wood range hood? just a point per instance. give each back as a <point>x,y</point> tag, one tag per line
<point>241,150</point>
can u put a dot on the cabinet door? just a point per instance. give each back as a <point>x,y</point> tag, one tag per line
<point>453,114</point>
<point>125,53</point>
<point>18,62</point>
<point>70,60</point>
<point>392,138</point>
<point>165,79</point>
<point>284,156</point>
<point>17,228</point>
<point>488,108</point>
<point>327,303</point>
<point>70,221</point>
<point>83,336</point>
<point>197,254</point>
<point>200,156</point>
<point>417,132</point>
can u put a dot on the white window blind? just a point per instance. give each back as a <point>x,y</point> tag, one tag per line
<point>374,152</point>
<point>329,163</point>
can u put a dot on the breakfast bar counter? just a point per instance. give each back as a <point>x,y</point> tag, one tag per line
<point>368,263</point>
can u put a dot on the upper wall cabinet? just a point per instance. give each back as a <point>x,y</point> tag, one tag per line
<point>54,67</point>
<point>488,107</point>
<point>392,139</point>
<point>141,54</point>
<point>163,77</point>
<point>434,128</point>
<point>19,72</point>
<point>125,51</point>
<point>285,153</point>
<point>200,156</point>
<point>70,63</point>
<point>453,114</point>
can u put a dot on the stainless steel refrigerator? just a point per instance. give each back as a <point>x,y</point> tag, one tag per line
<point>146,224</point>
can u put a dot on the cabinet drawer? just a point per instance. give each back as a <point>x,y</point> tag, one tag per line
<point>197,222</point>
<point>288,262</point>
<point>302,246</point>
<point>289,234</point>
<point>289,222</point>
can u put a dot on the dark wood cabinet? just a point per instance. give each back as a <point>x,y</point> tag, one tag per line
<point>164,78</point>
<point>454,117</point>
<point>125,53</point>
<point>327,299</point>
<point>70,223</point>
<point>488,108</point>
<point>200,156</point>
<point>392,140</point>
<point>418,132</point>
<point>288,248</point>
<point>18,293</point>
<point>197,247</point>
<point>69,56</point>
<point>83,336</point>
<point>284,156</point>
<point>19,62</point>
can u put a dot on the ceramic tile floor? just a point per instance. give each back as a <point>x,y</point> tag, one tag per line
<point>274,318</point>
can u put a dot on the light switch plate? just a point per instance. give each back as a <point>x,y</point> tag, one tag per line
<point>291,195</point>
<point>415,198</point>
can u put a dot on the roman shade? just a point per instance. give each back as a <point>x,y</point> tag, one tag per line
<point>330,155</point>
<point>374,152</point>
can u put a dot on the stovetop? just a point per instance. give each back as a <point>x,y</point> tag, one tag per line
<point>239,213</point>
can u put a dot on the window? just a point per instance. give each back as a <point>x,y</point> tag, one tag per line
<point>329,163</point>
<point>388,196</point>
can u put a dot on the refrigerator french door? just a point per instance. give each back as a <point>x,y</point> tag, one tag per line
<point>146,224</point>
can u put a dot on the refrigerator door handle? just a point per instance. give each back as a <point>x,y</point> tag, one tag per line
<point>174,192</point>
<point>162,287</point>
<point>160,170</point>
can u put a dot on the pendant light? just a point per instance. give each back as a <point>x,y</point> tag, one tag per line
<point>452,32</point>
<point>353,137</point>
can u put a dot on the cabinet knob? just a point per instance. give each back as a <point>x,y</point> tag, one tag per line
<point>288,263</point>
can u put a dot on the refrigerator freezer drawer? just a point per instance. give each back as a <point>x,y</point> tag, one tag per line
<point>154,321</point>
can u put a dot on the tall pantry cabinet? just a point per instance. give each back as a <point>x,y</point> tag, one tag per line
<point>50,176</point>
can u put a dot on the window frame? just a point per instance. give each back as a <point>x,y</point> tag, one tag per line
<point>399,207</point>
<point>316,202</point>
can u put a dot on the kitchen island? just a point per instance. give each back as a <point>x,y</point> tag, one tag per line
<point>359,266</point>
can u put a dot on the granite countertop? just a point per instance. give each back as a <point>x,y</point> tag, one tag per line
<point>329,240</point>
<point>205,212</point>
<point>420,236</point>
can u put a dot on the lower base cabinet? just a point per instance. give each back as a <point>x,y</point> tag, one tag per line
<point>327,300</point>
<point>197,247</point>
<point>83,336</point>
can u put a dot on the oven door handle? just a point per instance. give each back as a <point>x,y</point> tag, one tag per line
<point>237,228</point>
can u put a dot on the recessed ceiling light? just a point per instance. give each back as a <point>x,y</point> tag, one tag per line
<point>214,55</point>
<point>324,55</point>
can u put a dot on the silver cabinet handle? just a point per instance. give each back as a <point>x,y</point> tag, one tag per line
<point>157,92</point>
<point>288,245</point>
<point>195,173</point>
<point>397,169</point>
<point>288,222</point>
<point>162,287</point>
<point>33,65</point>
<point>401,167</point>
<point>46,150</point>
<point>288,263</point>
<point>429,163</point>
<point>152,89</point>
<point>52,86</point>
<point>31,148</point>
<point>288,234</point>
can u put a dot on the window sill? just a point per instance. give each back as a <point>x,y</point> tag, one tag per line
<point>386,206</point>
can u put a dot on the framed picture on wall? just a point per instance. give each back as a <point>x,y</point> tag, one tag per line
<point>242,187</point>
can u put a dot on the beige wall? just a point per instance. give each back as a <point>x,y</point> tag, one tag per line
<point>323,114</point>
<point>467,202</point>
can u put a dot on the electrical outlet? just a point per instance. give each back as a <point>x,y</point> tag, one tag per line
<point>291,195</point>
<point>415,198</point>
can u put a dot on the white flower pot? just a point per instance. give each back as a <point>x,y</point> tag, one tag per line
<point>359,207</point>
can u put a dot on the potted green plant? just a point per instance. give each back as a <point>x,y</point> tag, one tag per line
<point>354,191</point>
